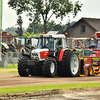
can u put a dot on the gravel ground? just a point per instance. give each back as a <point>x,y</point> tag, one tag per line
<point>72,94</point>
<point>14,80</point>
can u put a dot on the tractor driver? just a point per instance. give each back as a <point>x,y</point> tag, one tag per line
<point>58,44</point>
<point>3,53</point>
<point>50,44</point>
<point>23,50</point>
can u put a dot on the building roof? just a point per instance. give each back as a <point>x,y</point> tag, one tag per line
<point>94,23</point>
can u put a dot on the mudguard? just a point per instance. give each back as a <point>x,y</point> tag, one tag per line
<point>61,54</point>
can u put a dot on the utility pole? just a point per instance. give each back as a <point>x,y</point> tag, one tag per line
<point>1,2</point>
<point>33,28</point>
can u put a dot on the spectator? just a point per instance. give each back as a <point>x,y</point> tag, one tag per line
<point>3,53</point>
<point>82,52</point>
<point>23,50</point>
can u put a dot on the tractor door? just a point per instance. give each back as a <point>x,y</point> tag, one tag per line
<point>47,42</point>
<point>50,44</point>
<point>58,46</point>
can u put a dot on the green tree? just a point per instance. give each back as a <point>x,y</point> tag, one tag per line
<point>38,28</point>
<point>28,34</point>
<point>45,9</point>
<point>10,29</point>
<point>31,34</point>
<point>19,30</point>
<point>52,26</point>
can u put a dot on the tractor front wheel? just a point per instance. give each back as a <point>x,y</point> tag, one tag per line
<point>22,66</point>
<point>49,67</point>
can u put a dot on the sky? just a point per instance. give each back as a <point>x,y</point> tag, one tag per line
<point>90,9</point>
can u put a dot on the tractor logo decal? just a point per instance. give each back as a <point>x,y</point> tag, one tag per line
<point>85,59</point>
<point>95,61</point>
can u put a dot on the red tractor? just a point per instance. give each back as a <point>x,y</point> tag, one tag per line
<point>91,62</point>
<point>89,53</point>
<point>8,39</point>
<point>92,56</point>
<point>50,57</point>
<point>77,42</point>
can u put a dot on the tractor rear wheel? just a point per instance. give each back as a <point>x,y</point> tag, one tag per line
<point>69,65</point>
<point>22,66</point>
<point>49,67</point>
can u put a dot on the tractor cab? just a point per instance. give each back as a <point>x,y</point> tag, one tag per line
<point>50,44</point>
<point>94,42</point>
<point>30,43</point>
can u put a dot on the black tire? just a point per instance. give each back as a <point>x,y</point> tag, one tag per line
<point>90,70</point>
<point>22,66</point>
<point>49,67</point>
<point>69,65</point>
<point>12,49</point>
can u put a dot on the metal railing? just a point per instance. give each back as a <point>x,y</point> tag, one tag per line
<point>11,57</point>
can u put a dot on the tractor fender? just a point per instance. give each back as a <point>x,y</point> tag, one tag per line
<point>26,55</point>
<point>12,46</point>
<point>61,54</point>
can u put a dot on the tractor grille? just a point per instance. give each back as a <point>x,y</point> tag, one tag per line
<point>34,54</point>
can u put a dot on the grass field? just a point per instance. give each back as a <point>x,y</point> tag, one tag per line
<point>10,66</point>
<point>9,69</point>
<point>46,87</point>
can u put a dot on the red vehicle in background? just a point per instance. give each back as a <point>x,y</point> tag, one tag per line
<point>89,52</point>
<point>8,39</point>
<point>91,56</point>
<point>77,42</point>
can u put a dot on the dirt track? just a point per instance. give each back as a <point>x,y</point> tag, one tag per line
<point>14,80</point>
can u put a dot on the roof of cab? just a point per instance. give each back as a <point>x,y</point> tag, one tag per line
<point>54,36</point>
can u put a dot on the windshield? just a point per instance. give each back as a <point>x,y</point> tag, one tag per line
<point>90,42</point>
<point>98,46</point>
<point>28,41</point>
<point>46,43</point>
<point>68,42</point>
<point>21,41</point>
<point>8,40</point>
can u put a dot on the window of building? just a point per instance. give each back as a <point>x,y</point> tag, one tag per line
<point>82,28</point>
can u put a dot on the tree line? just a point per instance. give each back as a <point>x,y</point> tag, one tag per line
<point>38,28</point>
<point>43,10</point>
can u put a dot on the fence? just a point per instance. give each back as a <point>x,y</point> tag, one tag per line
<point>11,57</point>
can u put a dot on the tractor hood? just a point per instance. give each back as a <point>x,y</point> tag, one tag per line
<point>5,45</point>
<point>39,54</point>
